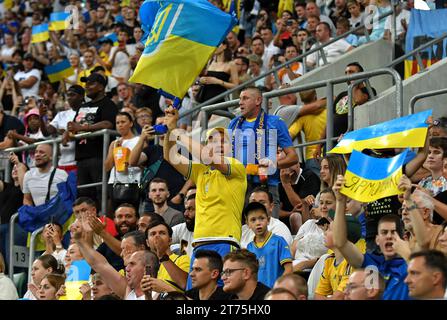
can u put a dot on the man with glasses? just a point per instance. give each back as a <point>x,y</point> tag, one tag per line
<point>364,285</point>
<point>240,276</point>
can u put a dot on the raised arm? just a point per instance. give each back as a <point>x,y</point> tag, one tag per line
<point>351,253</point>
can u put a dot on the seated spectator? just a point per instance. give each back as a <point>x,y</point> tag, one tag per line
<point>183,233</point>
<point>390,265</point>
<point>271,250</point>
<point>263,196</point>
<point>302,40</point>
<point>233,42</point>
<point>279,294</point>
<point>293,70</point>
<point>8,290</point>
<point>205,273</point>
<point>43,265</point>
<point>73,254</point>
<point>159,194</point>
<point>8,123</point>
<point>311,27</point>
<point>255,69</point>
<point>50,285</point>
<point>313,10</point>
<point>439,128</point>
<point>357,288</point>
<point>437,152</point>
<point>132,242</point>
<point>98,289</point>
<point>357,15</point>
<point>339,10</point>
<point>336,269</point>
<point>52,235</point>
<point>427,275</point>
<point>143,117</point>
<point>258,49</point>
<point>244,285</point>
<point>343,27</point>
<point>28,80</point>
<point>376,30</point>
<point>125,94</point>
<point>294,283</point>
<point>331,52</point>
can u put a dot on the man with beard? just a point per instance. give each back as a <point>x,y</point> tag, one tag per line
<point>97,114</point>
<point>40,183</point>
<point>159,194</point>
<point>125,221</point>
<point>128,287</point>
<point>184,232</point>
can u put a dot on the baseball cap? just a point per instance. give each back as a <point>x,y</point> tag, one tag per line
<point>77,89</point>
<point>353,226</point>
<point>95,77</point>
<point>223,130</point>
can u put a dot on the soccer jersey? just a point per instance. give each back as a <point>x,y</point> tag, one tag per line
<point>272,255</point>
<point>219,201</point>
<point>334,276</point>
<point>180,261</point>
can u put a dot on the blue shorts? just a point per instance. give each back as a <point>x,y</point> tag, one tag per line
<point>222,248</point>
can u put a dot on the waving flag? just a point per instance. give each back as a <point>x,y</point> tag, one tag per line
<point>408,131</point>
<point>59,21</point>
<point>183,38</point>
<point>112,36</point>
<point>40,33</point>
<point>77,275</point>
<point>369,178</point>
<point>59,71</point>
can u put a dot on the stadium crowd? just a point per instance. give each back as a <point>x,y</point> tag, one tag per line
<point>239,217</point>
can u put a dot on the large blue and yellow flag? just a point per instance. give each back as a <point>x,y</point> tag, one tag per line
<point>183,38</point>
<point>40,33</point>
<point>78,273</point>
<point>59,21</point>
<point>369,178</point>
<point>59,71</point>
<point>425,26</point>
<point>409,131</point>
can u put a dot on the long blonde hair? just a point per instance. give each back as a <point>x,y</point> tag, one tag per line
<point>337,166</point>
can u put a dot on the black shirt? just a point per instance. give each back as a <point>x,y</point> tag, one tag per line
<point>442,196</point>
<point>219,294</point>
<point>91,113</point>
<point>259,293</point>
<point>11,199</point>
<point>10,123</point>
<point>376,210</point>
<point>112,258</point>
<point>308,184</point>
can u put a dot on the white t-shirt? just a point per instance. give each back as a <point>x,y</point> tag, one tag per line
<point>310,242</point>
<point>7,52</point>
<point>60,122</point>
<point>34,90</point>
<point>7,289</point>
<point>134,173</point>
<point>269,51</point>
<point>403,15</point>
<point>276,226</point>
<point>179,233</point>
<point>355,22</point>
<point>133,296</point>
<point>121,64</point>
<point>36,183</point>
<point>332,52</point>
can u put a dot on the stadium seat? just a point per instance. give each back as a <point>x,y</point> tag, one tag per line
<point>20,280</point>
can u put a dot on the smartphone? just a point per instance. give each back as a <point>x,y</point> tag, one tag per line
<point>289,22</point>
<point>148,270</point>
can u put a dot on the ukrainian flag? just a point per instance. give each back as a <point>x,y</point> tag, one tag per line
<point>59,21</point>
<point>77,275</point>
<point>369,179</point>
<point>40,33</point>
<point>113,37</point>
<point>59,71</point>
<point>183,38</point>
<point>408,131</point>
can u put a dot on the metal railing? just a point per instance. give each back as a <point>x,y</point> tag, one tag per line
<point>277,68</point>
<point>106,133</point>
<point>420,96</point>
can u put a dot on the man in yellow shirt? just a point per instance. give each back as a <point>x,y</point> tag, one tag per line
<point>221,185</point>
<point>312,125</point>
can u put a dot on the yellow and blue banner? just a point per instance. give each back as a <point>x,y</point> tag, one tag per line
<point>59,71</point>
<point>369,178</point>
<point>425,26</point>
<point>409,131</point>
<point>40,33</point>
<point>183,38</point>
<point>78,273</point>
<point>113,37</point>
<point>59,21</point>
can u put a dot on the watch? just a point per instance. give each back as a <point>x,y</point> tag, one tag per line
<point>164,258</point>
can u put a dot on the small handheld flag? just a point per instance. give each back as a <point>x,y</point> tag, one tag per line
<point>59,71</point>
<point>40,33</point>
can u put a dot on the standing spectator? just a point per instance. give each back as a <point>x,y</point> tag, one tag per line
<point>37,187</point>
<point>340,10</point>
<point>390,265</point>
<point>332,51</point>
<point>273,254</point>
<point>435,183</point>
<point>252,123</point>
<point>356,288</point>
<point>97,114</point>
<point>159,194</point>
<point>255,68</point>
<point>300,13</point>
<point>125,95</point>
<point>7,49</point>
<point>28,80</point>
<point>427,275</point>
<point>276,226</point>
<point>233,42</point>
<point>52,235</point>
<point>357,15</point>
<point>270,49</point>
<point>242,64</point>
<point>258,48</point>
<point>240,276</point>
<point>204,275</point>
<point>8,123</point>
<point>88,59</point>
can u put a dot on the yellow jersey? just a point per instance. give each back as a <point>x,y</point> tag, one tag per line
<point>180,261</point>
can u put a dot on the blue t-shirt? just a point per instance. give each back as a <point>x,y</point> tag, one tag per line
<point>394,272</point>
<point>362,220</point>
<point>278,136</point>
<point>271,257</point>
